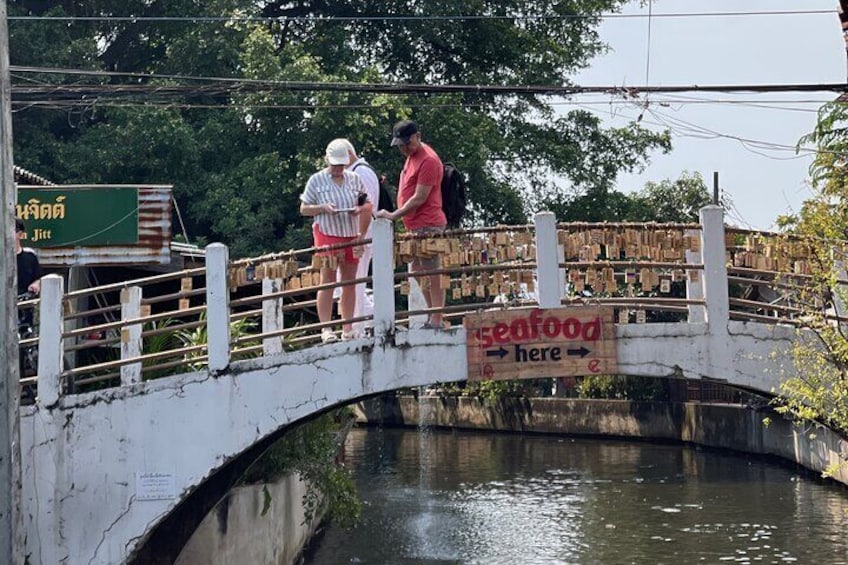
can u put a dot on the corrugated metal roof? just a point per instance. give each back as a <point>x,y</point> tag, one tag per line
<point>154,235</point>
<point>24,176</point>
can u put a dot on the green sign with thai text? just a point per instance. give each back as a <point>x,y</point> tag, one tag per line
<point>79,216</point>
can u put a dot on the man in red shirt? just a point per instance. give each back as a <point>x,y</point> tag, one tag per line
<point>420,205</point>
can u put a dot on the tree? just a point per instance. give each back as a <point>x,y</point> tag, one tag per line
<point>239,153</point>
<point>665,201</point>
<point>818,389</point>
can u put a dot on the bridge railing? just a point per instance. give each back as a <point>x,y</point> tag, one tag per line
<point>769,275</point>
<point>265,305</point>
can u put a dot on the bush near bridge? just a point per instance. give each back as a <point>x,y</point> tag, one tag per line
<point>817,393</point>
<point>311,451</point>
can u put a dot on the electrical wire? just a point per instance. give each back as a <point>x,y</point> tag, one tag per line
<point>414,18</point>
<point>229,84</point>
<point>648,54</point>
<point>151,103</point>
<point>686,129</point>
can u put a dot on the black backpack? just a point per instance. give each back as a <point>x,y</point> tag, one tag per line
<point>386,201</point>
<point>454,198</point>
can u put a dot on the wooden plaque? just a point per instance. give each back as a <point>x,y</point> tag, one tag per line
<point>536,343</point>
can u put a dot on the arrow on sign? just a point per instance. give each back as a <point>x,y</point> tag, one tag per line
<point>498,352</point>
<point>582,352</point>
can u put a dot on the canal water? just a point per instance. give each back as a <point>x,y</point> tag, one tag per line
<point>443,497</point>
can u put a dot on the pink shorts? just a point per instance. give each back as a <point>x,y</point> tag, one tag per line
<point>345,255</point>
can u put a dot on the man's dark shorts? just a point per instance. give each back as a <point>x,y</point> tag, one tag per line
<point>428,263</point>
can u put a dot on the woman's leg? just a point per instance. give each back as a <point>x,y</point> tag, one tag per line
<point>348,301</point>
<point>325,297</point>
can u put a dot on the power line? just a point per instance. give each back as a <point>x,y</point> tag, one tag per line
<point>648,55</point>
<point>413,18</point>
<point>227,84</point>
<point>667,101</point>
<point>682,128</point>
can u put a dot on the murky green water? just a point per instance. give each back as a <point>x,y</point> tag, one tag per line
<point>437,497</point>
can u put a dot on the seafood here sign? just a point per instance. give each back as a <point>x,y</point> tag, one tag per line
<point>536,343</point>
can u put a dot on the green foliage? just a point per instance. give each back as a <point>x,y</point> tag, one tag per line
<point>619,387</point>
<point>816,391</point>
<point>494,390</point>
<point>200,336</point>
<point>825,215</point>
<point>665,201</point>
<point>266,500</point>
<point>238,159</point>
<point>157,343</point>
<point>311,451</point>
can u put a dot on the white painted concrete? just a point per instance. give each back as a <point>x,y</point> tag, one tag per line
<point>131,345</point>
<point>383,280</point>
<point>237,532</point>
<point>50,340</point>
<point>549,291</point>
<point>272,316</point>
<point>82,457</point>
<point>217,306</point>
<point>695,290</point>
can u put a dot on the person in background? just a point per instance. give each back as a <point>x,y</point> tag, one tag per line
<point>29,272</point>
<point>29,269</point>
<point>364,303</point>
<point>332,198</point>
<point>420,206</point>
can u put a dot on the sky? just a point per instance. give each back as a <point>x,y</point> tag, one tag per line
<point>763,177</point>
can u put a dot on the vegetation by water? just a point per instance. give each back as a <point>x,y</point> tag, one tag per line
<point>613,387</point>
<point>817,391</point>
<point>312,452</point>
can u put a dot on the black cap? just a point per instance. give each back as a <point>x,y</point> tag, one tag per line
<point>402,131</point>
<point>19,225</point>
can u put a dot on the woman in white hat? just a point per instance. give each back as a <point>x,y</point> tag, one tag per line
<point>332,197</point>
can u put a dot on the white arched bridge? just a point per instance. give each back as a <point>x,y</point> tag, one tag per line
<point>146,389</point>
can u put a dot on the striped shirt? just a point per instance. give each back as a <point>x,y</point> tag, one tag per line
<point>321,189</point>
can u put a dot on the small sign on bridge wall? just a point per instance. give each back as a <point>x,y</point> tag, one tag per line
<point>536,343</point>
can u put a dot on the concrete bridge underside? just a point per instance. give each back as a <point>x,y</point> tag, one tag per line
<point>90,504</point>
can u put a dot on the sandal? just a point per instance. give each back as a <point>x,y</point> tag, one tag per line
<point>328,336</point>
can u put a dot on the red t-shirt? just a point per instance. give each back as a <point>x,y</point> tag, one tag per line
<point>424,167</point>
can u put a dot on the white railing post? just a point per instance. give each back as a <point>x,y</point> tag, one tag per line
<point>50,340</point>
<point>563,272</point>
<point>695,289</point>
<point>272,317</point>
<point>713,255</point>
<point>383,281</point>
<point>547,264</point>
<point>131,334</point>
<point>217,306</point>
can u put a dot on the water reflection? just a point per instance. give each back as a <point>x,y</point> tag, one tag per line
<point>453,497</point>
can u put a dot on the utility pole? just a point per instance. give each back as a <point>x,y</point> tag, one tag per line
<point>716,192</point>
<point>11,548</point>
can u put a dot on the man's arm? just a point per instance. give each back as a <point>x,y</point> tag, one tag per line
<point>422,191</point>
<point>35,286</point>
<point>428,176</point>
